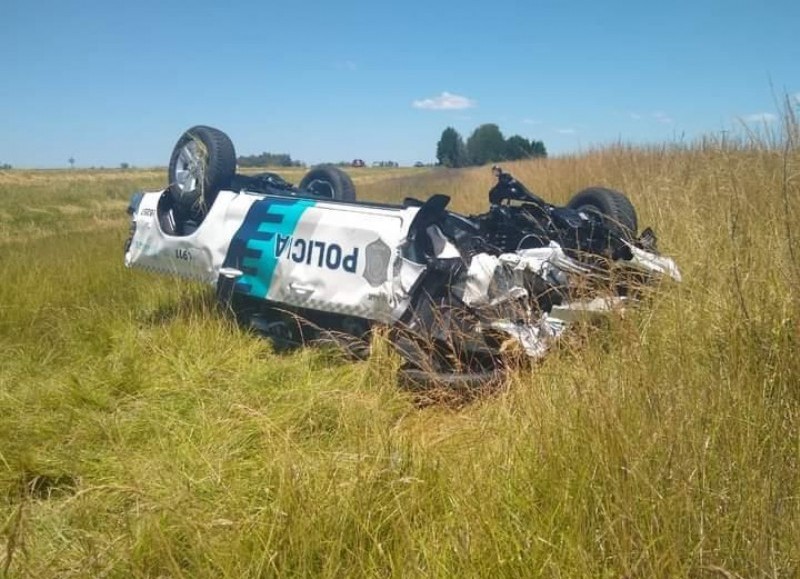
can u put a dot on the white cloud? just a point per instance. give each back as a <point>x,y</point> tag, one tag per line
<point>635,116</point>
<point>445,102</point>
<point>663,117</point>
<point>567,131</point>
<point>760,118</point>
<point>531,122</point>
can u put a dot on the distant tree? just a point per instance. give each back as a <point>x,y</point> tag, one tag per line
<point>267,160</point>
<point>5,167</point>
<point>538,148</point>
<point>124,166</point>
<point>450,150</point>
<point>518,148</point>
<point>486,145</point>
<point>71,162</point>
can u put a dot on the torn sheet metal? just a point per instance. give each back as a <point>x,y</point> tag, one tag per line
<point>653,263</point>
<point>492,281</point>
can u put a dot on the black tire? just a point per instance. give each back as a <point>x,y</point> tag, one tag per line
<point>329,182</point>
<point>203,162</point>
<point>614,206</point>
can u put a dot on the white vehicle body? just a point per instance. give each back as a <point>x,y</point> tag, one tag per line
<point>327,256</point>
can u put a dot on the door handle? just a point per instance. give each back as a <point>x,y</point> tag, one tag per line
<point>302,290</point>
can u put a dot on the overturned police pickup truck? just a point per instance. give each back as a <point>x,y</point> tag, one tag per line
<point>309,262</point>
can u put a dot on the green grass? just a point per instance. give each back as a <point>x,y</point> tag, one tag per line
<point>142,434</point>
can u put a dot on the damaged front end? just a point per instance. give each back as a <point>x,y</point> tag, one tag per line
<point>519,274</point>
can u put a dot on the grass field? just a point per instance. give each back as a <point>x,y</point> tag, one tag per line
<point>144,435</point>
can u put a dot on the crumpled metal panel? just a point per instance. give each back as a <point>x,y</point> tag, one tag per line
<point>498,286</point>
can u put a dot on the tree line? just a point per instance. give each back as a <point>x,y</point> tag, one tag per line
<point>268,160</point>
<point>486,144</point>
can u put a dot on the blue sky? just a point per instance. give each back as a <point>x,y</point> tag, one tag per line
<point>109,82</point>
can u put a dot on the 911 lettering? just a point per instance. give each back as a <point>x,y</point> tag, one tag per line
<point>183,254</point>
<point>313,252</point>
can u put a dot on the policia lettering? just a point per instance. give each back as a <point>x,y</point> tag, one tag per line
<point>318,253</point>
<point>267,236</point>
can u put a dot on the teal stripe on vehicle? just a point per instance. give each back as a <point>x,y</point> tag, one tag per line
<point>252,249</point>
